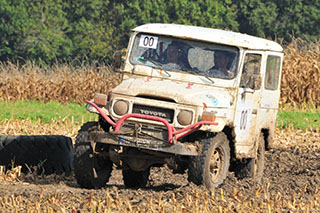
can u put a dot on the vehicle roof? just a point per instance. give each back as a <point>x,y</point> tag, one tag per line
<point>210,35</point>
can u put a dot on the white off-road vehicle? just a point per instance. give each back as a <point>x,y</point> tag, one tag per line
<point>195,99</point>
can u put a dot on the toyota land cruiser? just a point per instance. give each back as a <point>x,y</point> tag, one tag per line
<point>199,100</point>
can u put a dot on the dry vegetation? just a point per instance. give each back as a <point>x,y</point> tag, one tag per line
<point>301,74</point>
<point>64,82</point>
<point>28,127</point>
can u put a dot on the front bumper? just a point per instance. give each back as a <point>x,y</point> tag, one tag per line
<point>133,139</point>
<point>113,138</point>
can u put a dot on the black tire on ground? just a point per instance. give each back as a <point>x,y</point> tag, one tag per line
<point>91,170</point>
<point>46,153</point>
<point>258,165</point>
<point>211,166</point>
<point>253,167</point>
<point>135,179</point>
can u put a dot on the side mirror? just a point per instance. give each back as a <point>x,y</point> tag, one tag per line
<point>117,61</point>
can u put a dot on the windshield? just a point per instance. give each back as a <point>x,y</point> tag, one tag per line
<point>168,53</point>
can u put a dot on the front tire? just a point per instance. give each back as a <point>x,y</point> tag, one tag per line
<point>135,179</point>
<point>211,166</point>
<point>91,169</point>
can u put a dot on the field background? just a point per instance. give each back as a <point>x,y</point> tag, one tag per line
<point>66,83</point>
<point>292,174</point>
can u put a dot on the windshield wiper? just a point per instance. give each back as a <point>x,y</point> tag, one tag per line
<point>169,75</point>
<point>202,74</point>
<point>149,59</point>
<point>207,77</point>
<point>155,63</point>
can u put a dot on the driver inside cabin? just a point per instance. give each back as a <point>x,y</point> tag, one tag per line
<point>222,63</point>
<point>175,57</point>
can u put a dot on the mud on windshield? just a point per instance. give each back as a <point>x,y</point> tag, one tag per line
<point>180,55</point>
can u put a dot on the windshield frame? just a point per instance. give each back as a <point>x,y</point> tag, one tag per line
<point>138,51</point>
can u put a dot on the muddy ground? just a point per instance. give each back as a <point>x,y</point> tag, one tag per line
<point>291,176</point>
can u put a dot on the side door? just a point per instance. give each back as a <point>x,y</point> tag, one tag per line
<point>270,94</point>
<point>248,102</point>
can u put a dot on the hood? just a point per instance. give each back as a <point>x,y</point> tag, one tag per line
<point>180,92</point>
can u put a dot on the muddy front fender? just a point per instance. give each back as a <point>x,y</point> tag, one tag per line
<point>92,109</point>
<point>221,123</point>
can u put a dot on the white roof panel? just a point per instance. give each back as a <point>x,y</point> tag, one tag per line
<point>210,35</point>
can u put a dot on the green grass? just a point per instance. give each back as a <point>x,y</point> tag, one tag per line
<point>47,112</point>
<point>299,119</point>
<point>287,117</point>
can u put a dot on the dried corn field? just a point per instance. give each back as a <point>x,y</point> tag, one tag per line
<point>64,82</point>
<point>301,74</point>
<point>291,183</point>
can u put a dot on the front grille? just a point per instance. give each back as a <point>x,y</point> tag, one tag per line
<point>157,98</point>
<point>154,111</point>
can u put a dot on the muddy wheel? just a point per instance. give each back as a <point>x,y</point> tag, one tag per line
<point>253,167</point>
<point>211,167</point>
<point>257,164</point>
<point>135,179</point>
<point>45,153</point>
<point>91,170</point>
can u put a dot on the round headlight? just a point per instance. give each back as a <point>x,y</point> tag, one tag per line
<point>120,107</point>
<point>184,117</point>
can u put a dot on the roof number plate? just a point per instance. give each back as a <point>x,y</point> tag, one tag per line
<point>148,41</point>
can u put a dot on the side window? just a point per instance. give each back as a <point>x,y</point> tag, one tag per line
<point>271,80</point>
<point>251,71</point>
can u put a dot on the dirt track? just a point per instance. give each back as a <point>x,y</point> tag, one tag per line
<point>292,176</point>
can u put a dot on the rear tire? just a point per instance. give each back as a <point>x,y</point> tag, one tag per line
<point>91,170</point>
<point>253,167</point>
<point>211,166</point>
<point>257,164</point>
